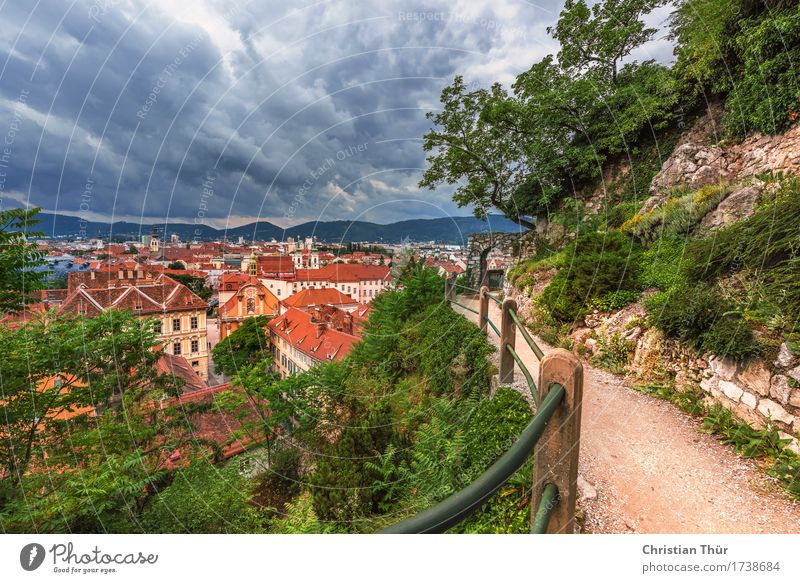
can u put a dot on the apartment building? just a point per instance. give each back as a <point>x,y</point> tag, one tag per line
<point>251,299</point>
<point>361,282</point>
<point>301,340</point>
<point>179,314</point>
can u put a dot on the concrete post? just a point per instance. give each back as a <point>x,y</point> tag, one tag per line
<point>556,453</point>
<point>508,336</point>
<point>483,308</point>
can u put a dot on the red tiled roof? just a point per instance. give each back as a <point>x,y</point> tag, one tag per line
<point>145,295</point>
<point>216,425</point>
<point>344,272</point>
<point>318,297</point>
<point>179,368</point>
<point>314,339</point>
<point>274,265</point>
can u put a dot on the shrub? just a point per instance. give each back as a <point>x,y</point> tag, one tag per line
<point>732,338</point>
<point>697,315</point>
<point>204,498</point>
<point>765,245</point>
<point>613,353</point>
<point>614,300</point>
<point>595,264</point>
<point>660,264</point>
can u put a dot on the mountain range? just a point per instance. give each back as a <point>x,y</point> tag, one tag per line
<point>452,230</point>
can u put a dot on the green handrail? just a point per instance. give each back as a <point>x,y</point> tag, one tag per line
<point>521,327</point>
<point>459,304</point>
<point>525,371</point>
<point>546,505</point>
<point>488,321</point>
<point>454,509</point>
<point>491,297</point>
<point>477,291</point>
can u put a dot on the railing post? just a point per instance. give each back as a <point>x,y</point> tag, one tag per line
<point>483,309</point>
<point>508,336</point>
<point>556,453</point>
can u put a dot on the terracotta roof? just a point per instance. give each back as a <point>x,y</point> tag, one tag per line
<point>274,265</point>
<point>216,425</point>
<point>344,272</point>
<point>142,295</point>
<point>312,338</point>
<point>318,297</point>
<point>179,368</point>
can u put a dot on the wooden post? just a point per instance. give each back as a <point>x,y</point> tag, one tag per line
<point>483,309</point>
<point>449,289</point>
<point>556,453</point>
<point>508,336</point>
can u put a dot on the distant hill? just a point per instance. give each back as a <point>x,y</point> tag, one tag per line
<point>454,230</point>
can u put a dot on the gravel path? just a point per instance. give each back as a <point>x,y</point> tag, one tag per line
<point>650,469</point>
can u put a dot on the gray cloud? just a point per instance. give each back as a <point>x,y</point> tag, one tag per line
<point>292,112</point>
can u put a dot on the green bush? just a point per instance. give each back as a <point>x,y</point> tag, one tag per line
<point>204,498</point>
<point>594,265</point>
<point>613,353</point>
<point>731,338</point>
<point>660,263</point>
<point>614,300</point>
<point>697,315</point>
<point>763,245</point>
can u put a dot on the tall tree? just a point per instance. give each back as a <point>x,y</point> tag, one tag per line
<point>598,38</point>
<point>83,446</point>
<point>484,159</point>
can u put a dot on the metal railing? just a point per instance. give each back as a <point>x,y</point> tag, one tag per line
<point>552,436</point>
<point>452,510</point>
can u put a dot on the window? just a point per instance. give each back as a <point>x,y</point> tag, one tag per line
<point>194,322</point>
<point>279,293</point>
<point>251,305</point>
<point>176,348</point>
<point>195,346</point>
<point>176,324</point>
<point>157,326</point>
<point>195,363</point>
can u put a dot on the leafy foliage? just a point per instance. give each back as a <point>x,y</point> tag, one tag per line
<point>765,96</point>
<point>18,258</point>
<point>243,347</point>
<point>596,264</point>
<point>204,498</point>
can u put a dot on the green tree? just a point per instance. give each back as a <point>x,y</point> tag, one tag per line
<point>483,158</point>
<point>195,283</point>
<point>243,347</point>
<point>596,39</point>
<point>204,498</point>
<point>18,258</point>
<point>86,448</point>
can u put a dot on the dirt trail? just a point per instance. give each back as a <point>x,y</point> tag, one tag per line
<point>654,471</point>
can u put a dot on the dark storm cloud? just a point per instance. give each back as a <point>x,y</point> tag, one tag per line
<point>289,112</point>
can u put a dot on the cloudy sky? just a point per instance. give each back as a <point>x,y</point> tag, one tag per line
<point>225,111</point>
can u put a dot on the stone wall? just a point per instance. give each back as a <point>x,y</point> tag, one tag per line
<point>517,245</point>
<point>701,157</point>
<point>757,391</point>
